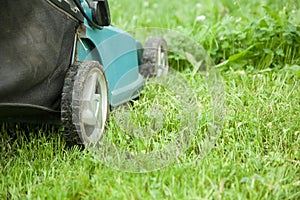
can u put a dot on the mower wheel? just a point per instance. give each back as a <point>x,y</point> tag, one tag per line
<point>155,58</point>
<point>84,104</point>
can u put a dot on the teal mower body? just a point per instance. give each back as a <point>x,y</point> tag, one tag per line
<point>117,51</point>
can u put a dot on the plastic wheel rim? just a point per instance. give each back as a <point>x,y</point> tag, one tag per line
<point>162,67</point>
<point>93,112</point>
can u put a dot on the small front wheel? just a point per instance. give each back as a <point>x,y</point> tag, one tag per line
<point>84,105</point>
<point>155,58</point>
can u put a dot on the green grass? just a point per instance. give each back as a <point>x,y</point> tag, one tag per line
<point>256,155</point>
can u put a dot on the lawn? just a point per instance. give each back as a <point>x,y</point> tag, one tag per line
<point>228,132</point>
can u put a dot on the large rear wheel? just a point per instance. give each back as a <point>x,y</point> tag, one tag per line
<point>84,105</point>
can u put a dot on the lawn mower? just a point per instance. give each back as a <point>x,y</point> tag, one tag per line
<point>62,62</point>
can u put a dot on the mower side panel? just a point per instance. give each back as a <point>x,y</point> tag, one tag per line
<point>116,50</point>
